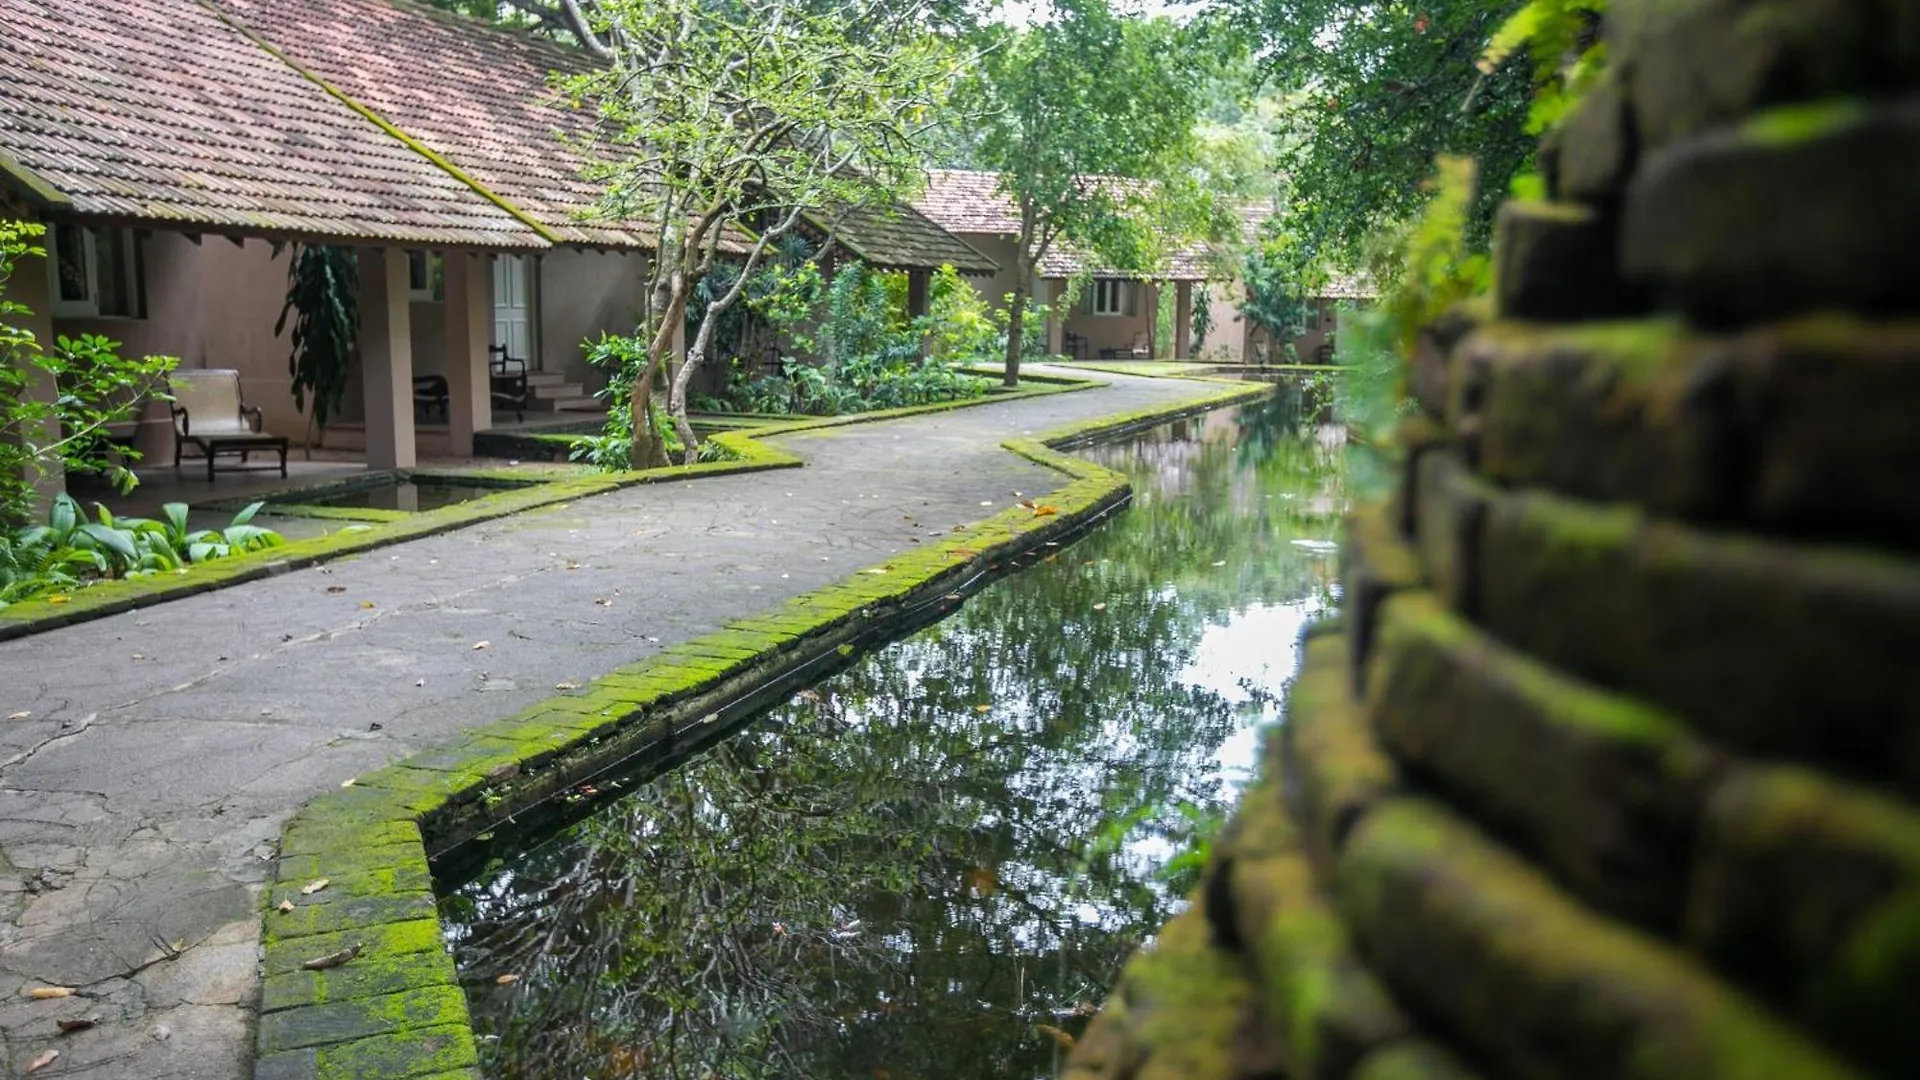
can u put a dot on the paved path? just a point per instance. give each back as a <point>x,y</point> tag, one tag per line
<point>141,798</point>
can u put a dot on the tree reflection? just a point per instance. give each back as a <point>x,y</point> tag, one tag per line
<point>910,869</point>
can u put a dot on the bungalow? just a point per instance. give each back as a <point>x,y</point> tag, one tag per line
<point>174,148</point>
<point>1114,315</point>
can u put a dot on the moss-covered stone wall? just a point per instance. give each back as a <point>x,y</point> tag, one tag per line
<point>1611,766</point>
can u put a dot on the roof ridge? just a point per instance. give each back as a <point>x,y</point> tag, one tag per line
<point>412,143</point>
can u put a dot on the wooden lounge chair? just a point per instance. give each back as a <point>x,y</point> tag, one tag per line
<point>209,415</point>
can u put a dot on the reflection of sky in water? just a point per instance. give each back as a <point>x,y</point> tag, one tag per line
<point>1015,786</point>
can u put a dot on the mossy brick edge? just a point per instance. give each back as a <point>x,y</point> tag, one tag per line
<point>367,838</point>
<point>116,597</point>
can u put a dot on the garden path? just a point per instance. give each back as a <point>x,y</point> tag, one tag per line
<point>154,755</point>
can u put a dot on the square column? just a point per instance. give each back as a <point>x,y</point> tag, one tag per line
<point>1182,320</point>
<point>30,287</point>
<point>468,313</point>
<point>386,357</point>
<point>1056,319</point>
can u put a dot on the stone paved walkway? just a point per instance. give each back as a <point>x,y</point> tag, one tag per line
<point>143,793</point>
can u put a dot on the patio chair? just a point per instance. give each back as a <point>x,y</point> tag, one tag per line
<point>507,376</point>
<point>1142,347</point>
<point>209,415</point>
<point>1073,345</point>
<point>430,395</point>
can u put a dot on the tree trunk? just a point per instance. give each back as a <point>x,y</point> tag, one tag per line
<point>677,394</point>
<point>649,445</point>
<point>1016,329</point>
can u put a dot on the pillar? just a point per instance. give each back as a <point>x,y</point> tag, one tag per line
<point>917,283</point>
<point>469,329</point>
<point>386,357</point>
<point>1056,319</point>
<point>1183,320</point>
<point>31,288</point>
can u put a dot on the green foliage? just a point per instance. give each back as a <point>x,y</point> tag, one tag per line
<point>1202,317</point>
<point>323,295</point>
<point>70,551</point>
<point>1370,95</point>
<point>1431,263</point>
<point>42,432</point>
<point>872,352</point>
<point>1561,37</point>
<point>1088,117</point>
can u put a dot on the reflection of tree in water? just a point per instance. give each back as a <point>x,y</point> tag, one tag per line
<point>884,878</point>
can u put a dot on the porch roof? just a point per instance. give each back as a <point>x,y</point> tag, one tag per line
<point>901,238</point>
<point>104,117</point>
<point>477,95</point>
<point>969,201</point>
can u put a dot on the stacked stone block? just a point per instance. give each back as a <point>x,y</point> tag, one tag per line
<point>1611,765</point>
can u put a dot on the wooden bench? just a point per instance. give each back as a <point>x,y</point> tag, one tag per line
<point>209,415</point>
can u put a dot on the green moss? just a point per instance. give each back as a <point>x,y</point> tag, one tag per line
<point>421,1050</point>
<point>1792,125</point>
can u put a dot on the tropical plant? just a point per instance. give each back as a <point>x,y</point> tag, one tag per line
<point>71,551</point>
<point>323,289</point>
<point>56,402</point>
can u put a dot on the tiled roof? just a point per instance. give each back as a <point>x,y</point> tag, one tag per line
<point>968,201</point>
<point>104,103</point>
<point>478,95</point>
<point>901,238</point>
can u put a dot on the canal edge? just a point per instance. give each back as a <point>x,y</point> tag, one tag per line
<point>395,1007</point>
<point>115,597</point>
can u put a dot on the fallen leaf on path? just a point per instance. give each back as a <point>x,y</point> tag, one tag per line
<point>76,1023</point>
<point>478,645</point>
<point>331,960</point>
<point>566,686</point>
<point>1099,607</point>
<point>19,715</point>
<point>1043,510</point>
<point>602,601</point>
<point>43,993</point>
<point>336,588</point>
<point>875,570</point>
<point>506,980</point>
<point>1221,562</point>
<point>58,599</point>
<point>348,782</point>
<point>419,682</point>
<point>284,907</point>
<point>314,886</point>
<point>42,1061</point>
<point>983,708</point>
<point>365,604</point>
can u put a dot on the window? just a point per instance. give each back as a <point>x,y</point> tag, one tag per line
<point>96,272</point>
<point>426,277</point>
<point>1111,297</point>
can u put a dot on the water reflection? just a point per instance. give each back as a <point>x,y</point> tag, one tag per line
<point>918,867</point>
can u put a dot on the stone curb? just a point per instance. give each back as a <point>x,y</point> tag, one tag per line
<point>114,597</point>
<point>370,839</point>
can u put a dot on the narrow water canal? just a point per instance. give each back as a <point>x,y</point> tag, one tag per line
<point>919,866</point>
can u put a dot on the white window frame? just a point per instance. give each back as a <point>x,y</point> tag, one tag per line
<point>1110,296</point>
<point>88,306</point>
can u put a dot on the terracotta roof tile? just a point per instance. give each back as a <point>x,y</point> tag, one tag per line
<point>96,101</point>
<point>901,238</point>
<point>968,201</point>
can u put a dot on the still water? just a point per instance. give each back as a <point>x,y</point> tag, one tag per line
<point>922,864</point>
<point>409,495</point>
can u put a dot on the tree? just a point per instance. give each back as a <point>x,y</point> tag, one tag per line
<point>728,125</point>
<point>40,433</point>
<point>1088,116</point>
<point>1372,94</point>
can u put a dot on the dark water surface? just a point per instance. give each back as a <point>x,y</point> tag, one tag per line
<point>916,867</point>
<point>411,495</point>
